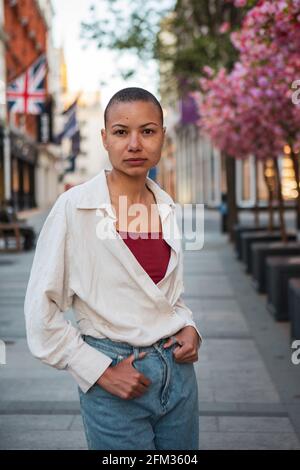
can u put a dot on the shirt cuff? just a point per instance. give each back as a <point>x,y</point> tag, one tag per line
<point>193,324</point>
<point>87,366</point>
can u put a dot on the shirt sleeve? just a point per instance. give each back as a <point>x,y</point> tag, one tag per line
<point>51,338</point>
<point>184,312</point>
<point>180,307</point>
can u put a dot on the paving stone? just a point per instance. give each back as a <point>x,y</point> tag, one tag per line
<point>222,324</point>
<point>255,424</point>
<point>18,423</point>
<point>205,286</point>
<point>39,389</point>
<point>43,440</point>
<point>218,305</point>
<point>248,441</point>
<point>248,387</point>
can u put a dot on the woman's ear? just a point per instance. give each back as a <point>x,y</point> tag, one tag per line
<point>103,135</point>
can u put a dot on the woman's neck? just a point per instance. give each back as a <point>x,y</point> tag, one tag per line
<point>133,187</point>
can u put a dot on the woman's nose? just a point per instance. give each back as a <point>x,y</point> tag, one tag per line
<point>134,142</point>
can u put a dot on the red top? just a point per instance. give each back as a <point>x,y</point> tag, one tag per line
<point>151,251</point>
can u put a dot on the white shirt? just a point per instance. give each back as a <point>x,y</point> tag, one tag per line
<point>99,277</point>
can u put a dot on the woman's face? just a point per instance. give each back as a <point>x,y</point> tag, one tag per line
<point>133,136</point>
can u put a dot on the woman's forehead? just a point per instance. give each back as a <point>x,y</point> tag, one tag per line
<point>133,112</point>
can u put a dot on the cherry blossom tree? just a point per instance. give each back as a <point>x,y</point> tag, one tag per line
<point>270,40</point>
<point>250,110</point>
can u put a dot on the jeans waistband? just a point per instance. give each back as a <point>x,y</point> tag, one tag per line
<point>122,347</point>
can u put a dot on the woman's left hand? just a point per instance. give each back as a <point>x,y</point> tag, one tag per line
<point>187,349</point>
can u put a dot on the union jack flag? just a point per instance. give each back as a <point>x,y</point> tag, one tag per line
<point>27,93</point>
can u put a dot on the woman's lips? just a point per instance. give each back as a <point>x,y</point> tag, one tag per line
<point>135,161</point>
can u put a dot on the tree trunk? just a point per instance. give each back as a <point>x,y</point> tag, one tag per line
<point>297,178</point>
<point>270,200</point>
<point>280,202</point>
<point>256,208</point>
<point>231,197</point>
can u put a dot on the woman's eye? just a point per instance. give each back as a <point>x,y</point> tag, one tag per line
<point>119,131</point>
<point>145,131</point>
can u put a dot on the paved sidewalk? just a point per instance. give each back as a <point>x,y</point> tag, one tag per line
<point>249,391</point>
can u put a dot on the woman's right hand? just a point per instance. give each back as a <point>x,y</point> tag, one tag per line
<point>123,380</point>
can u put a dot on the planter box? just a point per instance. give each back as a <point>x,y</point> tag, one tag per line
<point>264,236</point>
<point>239,229</point>
<point>294,307</point>
<point>261,251</point>
<point>279,272</point>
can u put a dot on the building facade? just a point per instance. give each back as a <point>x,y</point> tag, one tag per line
<point>33,178</point>
<point>4,163</point>
<point>93,156</point>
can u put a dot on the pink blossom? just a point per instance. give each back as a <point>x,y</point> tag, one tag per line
<point>240,3</point>
<point>208,71</point>
<point>224,28</point>
<point>250,110</point>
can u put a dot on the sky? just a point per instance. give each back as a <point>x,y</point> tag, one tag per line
<point>88,67</point>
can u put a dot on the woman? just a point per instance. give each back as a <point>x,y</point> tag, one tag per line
<point>132,354</point>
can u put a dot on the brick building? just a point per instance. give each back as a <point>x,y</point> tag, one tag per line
<point>27,26</point>
<point>27,32</point>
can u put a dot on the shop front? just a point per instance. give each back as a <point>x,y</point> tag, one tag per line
<point>23,163</point>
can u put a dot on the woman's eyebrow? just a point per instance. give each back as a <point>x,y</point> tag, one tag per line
<point>143,125</point>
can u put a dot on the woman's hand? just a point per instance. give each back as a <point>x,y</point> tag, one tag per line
<point>188,340</point>
<point>123,380</point>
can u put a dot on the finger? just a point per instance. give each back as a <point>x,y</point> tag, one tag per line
<point>142,355</point>
<point>138,391</point>
<point>169,343</point>
<point>187,348</point>
<point>187,359</point>
<point>136,395</point>
<point>144,380</point>
<point>181,351</point>
<point>141,388</point>
<point>132,358</point>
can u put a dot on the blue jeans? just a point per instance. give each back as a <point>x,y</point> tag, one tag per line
<point>165,417</point>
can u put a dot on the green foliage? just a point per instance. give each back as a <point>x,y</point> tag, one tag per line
<point>140,26</point>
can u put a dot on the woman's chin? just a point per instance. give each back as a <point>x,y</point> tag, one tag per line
<point>136,170</point>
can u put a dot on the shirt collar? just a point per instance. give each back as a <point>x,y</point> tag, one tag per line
<point>94,194</point>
